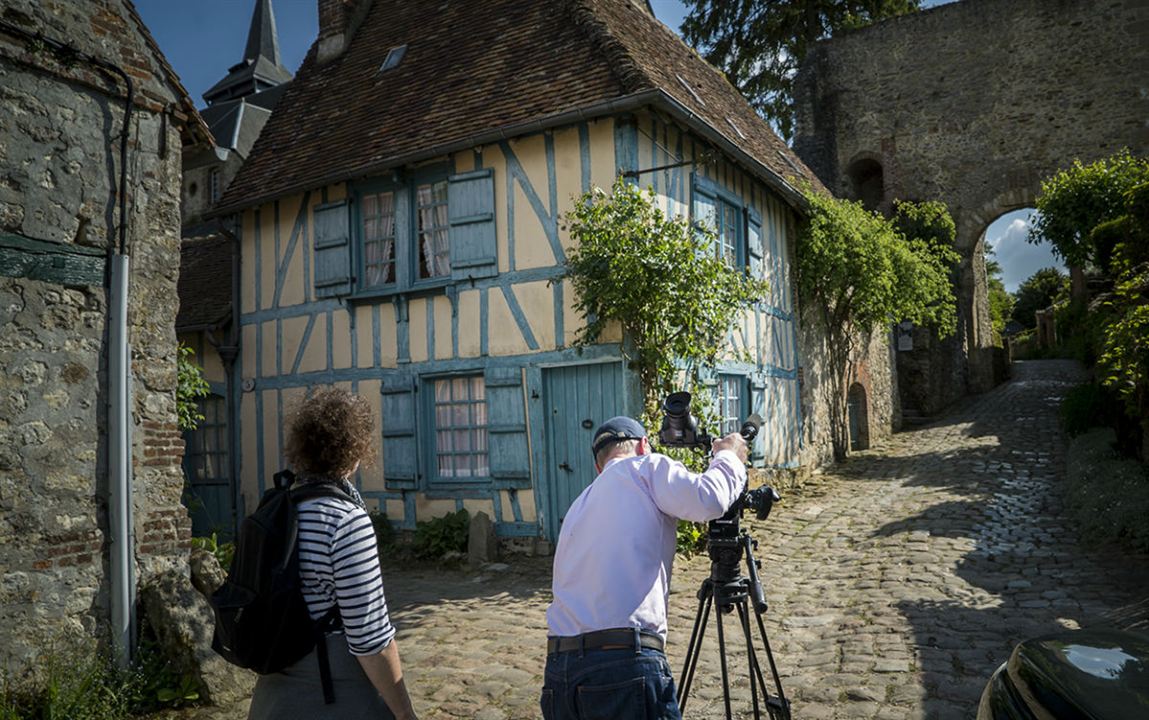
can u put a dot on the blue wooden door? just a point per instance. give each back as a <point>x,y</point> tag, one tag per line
<point>208,490</point>
<point>578,399</point>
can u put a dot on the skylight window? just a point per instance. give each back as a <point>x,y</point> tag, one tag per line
<point>690,90</point>
<point>736,128</point>
<point>394,57</point>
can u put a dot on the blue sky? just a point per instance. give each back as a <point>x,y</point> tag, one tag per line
<point>203,38</point>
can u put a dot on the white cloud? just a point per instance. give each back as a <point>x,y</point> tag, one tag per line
<point>1018,258</point>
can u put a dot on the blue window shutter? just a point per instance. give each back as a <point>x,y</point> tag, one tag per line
<point>400,420</point>
<point>510,456</point>
<point>471,214</point>
<point>332,250</point>
<point>754,243</point>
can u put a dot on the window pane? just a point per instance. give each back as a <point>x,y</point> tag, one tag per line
<point>460,427</point>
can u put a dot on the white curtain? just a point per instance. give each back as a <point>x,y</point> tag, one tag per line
<point>432,200</point>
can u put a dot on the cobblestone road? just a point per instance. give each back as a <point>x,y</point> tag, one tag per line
<point>897,583</point>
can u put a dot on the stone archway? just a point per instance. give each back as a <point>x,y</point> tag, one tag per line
<point>973,103</point>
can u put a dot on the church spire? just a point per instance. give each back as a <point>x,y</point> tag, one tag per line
<point>261,67</point>
<point>262,39</point>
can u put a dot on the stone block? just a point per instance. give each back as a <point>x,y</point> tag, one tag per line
<point>482,545</point>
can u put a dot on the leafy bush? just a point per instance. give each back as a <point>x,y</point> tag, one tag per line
<point>435,538</point>
<point>691,538</point>
<point>223,552</point>
<point>190,387</point>
<point>1107,496</point>
<point>78,684</point>
<point>1080,332</point>
<point>1088,406</point>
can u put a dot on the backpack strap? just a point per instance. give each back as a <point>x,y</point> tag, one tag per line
<point>332,620</point>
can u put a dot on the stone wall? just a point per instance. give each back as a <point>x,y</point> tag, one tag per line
<point>972,103</point>
<point>59,174</point>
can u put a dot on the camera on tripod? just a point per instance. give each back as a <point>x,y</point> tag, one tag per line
<point>680,429</point>
<point>727,590</point>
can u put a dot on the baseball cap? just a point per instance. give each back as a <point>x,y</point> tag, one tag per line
<point>615,429</point>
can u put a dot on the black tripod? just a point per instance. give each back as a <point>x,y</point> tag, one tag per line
<point>727,589</point>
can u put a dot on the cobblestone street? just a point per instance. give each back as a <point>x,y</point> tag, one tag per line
<point>897,583</point>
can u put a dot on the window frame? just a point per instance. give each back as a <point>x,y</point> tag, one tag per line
<point>432,480</point>
<point>720,197</point>
<point>719,399</point>
<point>405,189</point>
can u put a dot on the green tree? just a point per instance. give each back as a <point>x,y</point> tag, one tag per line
<point>759,44</point>
<point>857,272</point>
<point>190,387</point>
<point>1000,301</point>
<point>659,278</point>
<point>1039,291</point>
<point>1075,201</point>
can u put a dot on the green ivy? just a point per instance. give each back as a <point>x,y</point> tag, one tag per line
<point>224,552</point>
<point>190,387</point>
<point>857,271</point>
<point>659,278</point>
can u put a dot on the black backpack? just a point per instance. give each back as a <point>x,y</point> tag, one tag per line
<point>261,619</point>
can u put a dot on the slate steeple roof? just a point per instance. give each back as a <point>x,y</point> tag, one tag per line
<point>261,67</point>
<point>474,72</point>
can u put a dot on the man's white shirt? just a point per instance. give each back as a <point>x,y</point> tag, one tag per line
<point>616,548</point>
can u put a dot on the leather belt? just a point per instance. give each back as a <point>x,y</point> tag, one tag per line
<point>615,639</point>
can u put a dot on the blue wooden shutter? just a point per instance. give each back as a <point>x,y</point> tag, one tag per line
<point>507,428</point>
<point>754,243</point>
<point>471,214</point>
<point>400,450</point>
<point>332,250</point>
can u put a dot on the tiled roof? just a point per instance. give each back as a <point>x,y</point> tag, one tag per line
<point>472,69</point>
<point>205,280</point>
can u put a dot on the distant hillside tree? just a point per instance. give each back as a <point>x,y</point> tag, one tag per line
<point>1000,301</point>
<point>1039,291</point>
<point>759,44</point>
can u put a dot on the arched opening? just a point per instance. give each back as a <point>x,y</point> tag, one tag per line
<point>867,182</point>
<point>1022,279</point>
<point>859,417</point>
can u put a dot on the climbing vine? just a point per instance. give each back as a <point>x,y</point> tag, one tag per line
<point>659,278</point>
<point>190,387</point>
<point>859,271</point>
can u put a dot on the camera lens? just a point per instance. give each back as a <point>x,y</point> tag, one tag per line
<point>676,404</point>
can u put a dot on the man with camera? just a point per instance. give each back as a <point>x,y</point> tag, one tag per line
<point>612,566</point>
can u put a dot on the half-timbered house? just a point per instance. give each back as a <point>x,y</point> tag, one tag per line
<point>401,233</point>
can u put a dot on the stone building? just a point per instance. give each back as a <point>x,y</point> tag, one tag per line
<point>90,477</point>
<point>971,103</point>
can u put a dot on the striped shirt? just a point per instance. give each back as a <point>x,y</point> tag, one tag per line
<point>339,563</point>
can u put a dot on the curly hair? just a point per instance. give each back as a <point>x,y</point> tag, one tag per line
<point>329,433</point>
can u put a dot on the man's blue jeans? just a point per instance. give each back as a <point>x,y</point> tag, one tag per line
<point>609,684</point>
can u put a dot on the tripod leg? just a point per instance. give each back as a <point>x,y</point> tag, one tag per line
<point>783,705</point>
<point>705,599</point>
<point>755,672</point>
<point>722,658</point>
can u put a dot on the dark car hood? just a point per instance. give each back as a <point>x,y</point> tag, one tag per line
<point>1084,674</point>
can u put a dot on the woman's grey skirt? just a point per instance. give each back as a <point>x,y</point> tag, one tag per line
<point>297,692</point>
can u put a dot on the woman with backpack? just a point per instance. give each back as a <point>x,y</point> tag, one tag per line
<point>329,435</point>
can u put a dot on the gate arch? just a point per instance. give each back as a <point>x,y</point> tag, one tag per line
<point>972,103</point>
